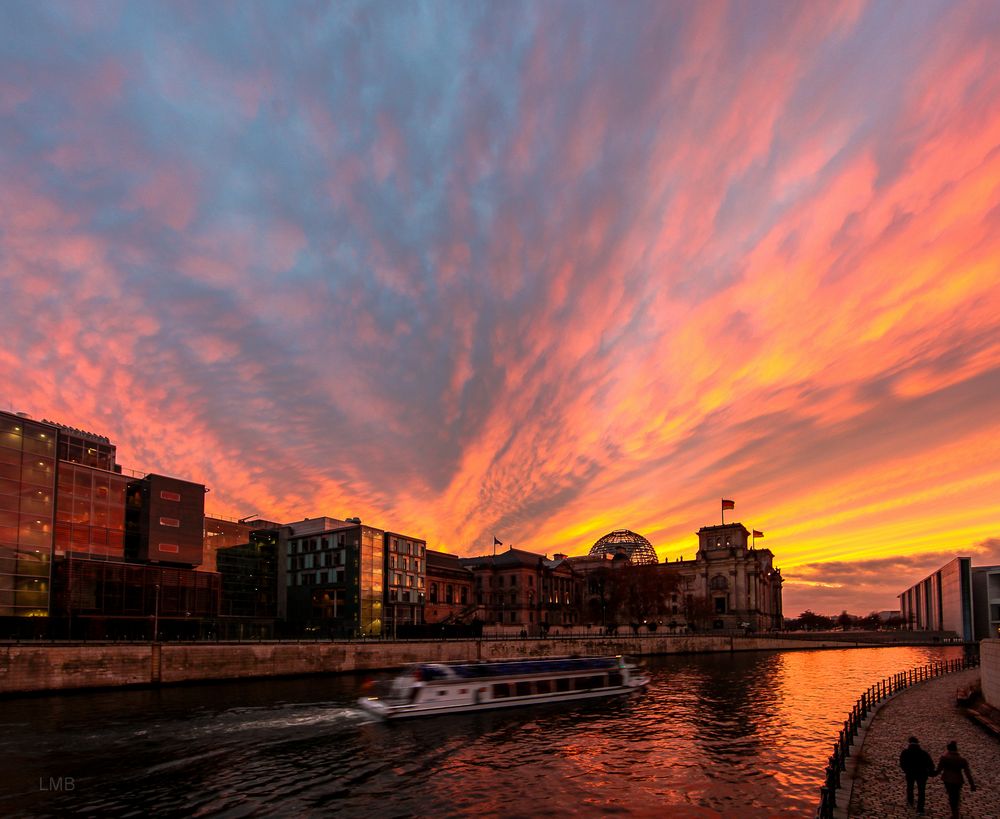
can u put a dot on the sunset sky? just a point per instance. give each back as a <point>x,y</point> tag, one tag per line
<point>537,270</point>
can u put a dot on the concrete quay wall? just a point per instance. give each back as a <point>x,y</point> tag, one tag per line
<point>36,668</point>
<point>989,667</point>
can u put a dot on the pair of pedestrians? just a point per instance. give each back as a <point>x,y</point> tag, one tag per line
<point>918,766</point>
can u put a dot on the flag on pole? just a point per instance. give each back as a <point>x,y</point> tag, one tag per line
<point>758,533</point>
<point>728,504</point>
<point>497,541</point>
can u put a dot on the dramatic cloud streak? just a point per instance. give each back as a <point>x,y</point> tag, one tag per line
<point>542,270</point>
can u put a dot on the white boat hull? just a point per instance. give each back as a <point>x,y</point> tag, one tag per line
<point>412,698</point>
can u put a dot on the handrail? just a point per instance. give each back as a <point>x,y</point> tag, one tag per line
<point>876,694</point>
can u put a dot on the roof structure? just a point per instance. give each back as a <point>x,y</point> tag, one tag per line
<point>636,548</point>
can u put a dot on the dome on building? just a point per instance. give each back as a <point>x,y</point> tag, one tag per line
<point>635,547</point>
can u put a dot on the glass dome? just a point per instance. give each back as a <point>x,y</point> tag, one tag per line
<point>636,548</point>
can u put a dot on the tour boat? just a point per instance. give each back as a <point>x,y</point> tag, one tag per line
<point>446,688</point>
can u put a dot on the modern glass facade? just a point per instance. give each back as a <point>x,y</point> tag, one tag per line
<point>90,512</point>
<point>27,510</point>
<point>105,598</point>
<point>250,576</point>
<point>370,581</point>
<point>334,577</point>
<point>79,447</point>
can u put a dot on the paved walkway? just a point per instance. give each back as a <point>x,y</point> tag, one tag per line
<point>927,711</point>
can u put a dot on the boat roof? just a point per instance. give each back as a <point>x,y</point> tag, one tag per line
<point>514,668</point>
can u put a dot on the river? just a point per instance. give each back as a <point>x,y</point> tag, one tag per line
<point>744,734</point>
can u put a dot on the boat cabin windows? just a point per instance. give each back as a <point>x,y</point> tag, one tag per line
<point>523,689</point>
<point>501,690</point>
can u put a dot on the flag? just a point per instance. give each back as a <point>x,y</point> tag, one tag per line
<point>728,504</point>
<point>758,533</point>
<point>497,541</point>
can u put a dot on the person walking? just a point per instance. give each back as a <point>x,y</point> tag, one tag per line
<point>917,765</point>
<point>951,766</point>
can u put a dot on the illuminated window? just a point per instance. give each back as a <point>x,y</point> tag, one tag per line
<point>172,522</point>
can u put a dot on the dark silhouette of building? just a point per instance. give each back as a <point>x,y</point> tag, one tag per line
<point>249,586</point>
<point>449,590</point>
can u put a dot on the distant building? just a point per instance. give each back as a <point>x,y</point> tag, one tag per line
<point>523,588</point>
<point>636,548</point>
<point>334,576</point>
<point>942,601</point>
<point>728,584</point>
<point>450,597</point>
<point>249,586</point>
<point>956,597</point>
<point>221,533</point>
<point>740,584</point>
<point>405,579</point>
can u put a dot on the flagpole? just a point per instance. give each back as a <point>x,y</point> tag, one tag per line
<point>722,503</point>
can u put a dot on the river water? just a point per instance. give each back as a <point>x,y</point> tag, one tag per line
<point>715,734</point>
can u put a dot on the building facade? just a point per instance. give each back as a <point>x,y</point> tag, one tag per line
<point>248,575</point>
<point>85,549</point>
<point>986,601</point>
<point>27,515</point>
<point>333,577</point>
<point>449,590</point>
<point>738,584</point>
<point>958,597</point>
<point>405,581</point>
<point>517,587</point>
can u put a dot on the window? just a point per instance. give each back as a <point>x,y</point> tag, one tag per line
<point>464,592</point>
<point>449,594</point>
<point>434,592</point>
<point>171,522</point>
<point>523,689</point>
<point>169,496</point>
<point>501,690</point>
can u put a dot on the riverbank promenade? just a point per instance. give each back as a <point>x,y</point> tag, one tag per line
<point>928,712</point>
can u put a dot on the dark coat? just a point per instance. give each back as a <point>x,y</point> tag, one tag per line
<point>916,762</point>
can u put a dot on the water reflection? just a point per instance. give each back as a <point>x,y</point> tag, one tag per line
<point>727,734</point>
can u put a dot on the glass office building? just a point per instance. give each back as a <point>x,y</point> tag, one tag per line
<point>334,575</point>
<point>27,512</point>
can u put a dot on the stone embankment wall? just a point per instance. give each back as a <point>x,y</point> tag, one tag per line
<point>33,668</point>
<point>989,659</point>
